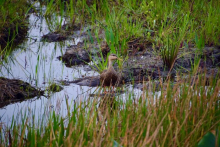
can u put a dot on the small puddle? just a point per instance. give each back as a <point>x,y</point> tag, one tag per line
<point>36,63</point>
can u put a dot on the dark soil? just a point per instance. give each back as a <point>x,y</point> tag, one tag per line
<point>75,55</point>
<point>53,37</point>
<point>81,55</point>
<point>145,63</point>
<point>61,34</point>
<point>14,90</point>
<point>13,33</point>
<point>13,24</point>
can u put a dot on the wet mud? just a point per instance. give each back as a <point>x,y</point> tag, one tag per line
<point>8,34</point>
<point>144,63</point>
<point>75,55</point>
<point>61,34</point>
<point>14,90</point>
<point>53,37</point>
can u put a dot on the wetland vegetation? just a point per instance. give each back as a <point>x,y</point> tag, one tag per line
<point>171,55</point>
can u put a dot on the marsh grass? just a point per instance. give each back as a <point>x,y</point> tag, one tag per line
<point>132,19</point>
<point>13,24</point>
<point>169,53</point>
<point>98,60</point>
<point>100,63</point>
<point>124,20</point>
<point>200,44</point>
<point>180,116</point>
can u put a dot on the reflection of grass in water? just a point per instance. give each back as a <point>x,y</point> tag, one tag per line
<point>180,116</point>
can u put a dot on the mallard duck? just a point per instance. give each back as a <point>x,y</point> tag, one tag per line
<point>110,77</point>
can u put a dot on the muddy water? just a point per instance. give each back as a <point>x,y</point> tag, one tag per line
<point>36,63</point>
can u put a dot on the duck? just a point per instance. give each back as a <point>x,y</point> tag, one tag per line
<point>110,77</point>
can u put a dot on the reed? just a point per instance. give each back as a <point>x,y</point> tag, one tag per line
<point>181,115</point>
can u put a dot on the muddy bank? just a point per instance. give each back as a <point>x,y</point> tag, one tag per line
<point>13,33</point>
<point>145,63</point>
<point>62,33</point>
<point>75,55</point>
<point>82,54</point>
<point>14,90</point>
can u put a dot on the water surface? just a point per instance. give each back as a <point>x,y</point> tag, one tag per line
<point>36,62</point>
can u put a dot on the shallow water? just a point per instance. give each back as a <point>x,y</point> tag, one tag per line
<point>36,63</point>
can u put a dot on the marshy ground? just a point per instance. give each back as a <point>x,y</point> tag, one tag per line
<point>52,52</point>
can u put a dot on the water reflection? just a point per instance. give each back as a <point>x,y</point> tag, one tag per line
<point>36,63</point>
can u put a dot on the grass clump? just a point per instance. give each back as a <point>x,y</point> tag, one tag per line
<point>180,116</point>
<point>13,23</point>
<point>155,20</point>
<point>168,25</point>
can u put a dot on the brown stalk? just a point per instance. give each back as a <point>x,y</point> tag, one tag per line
<point>22,134</point>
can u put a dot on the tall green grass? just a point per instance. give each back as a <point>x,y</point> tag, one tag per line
<point>180,116</point>
<point>13,24</point>
<point>177,20</point>
<point>124,20</point>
